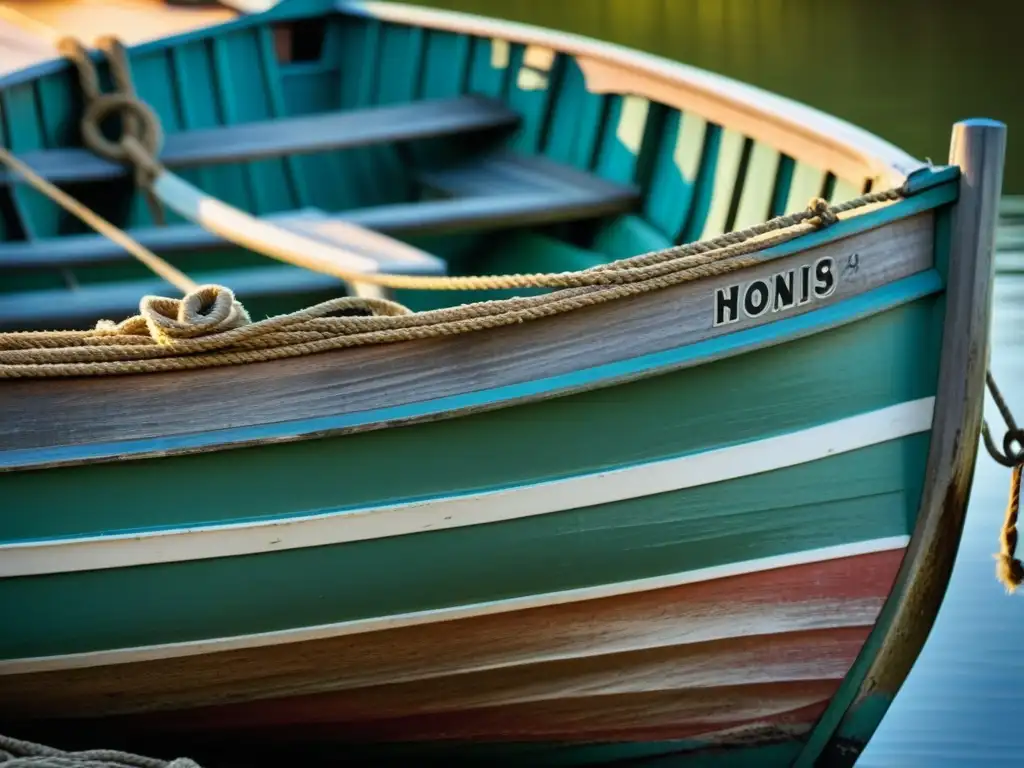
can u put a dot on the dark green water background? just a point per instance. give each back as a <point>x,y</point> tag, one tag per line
<point>905,70</point>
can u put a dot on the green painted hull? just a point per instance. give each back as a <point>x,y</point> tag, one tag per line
<point>634,533</point>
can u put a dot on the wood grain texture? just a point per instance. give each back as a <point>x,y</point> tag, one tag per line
<point>793,624</point>
<point>496,192</point>
<point>648,715</point>
<point>44,413</point>
<point>288,136</point>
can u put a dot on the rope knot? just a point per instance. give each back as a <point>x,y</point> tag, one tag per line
<point>208,310</point>
<point>821,213</point>
<point>141,137</point>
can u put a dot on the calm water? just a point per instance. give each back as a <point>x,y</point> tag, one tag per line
<point>906,70</point>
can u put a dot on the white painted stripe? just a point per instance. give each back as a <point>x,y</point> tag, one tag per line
<point>66,555</point>
<point>414,618</point>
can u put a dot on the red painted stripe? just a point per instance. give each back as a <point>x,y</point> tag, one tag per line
<point>646,690</point>
<point>561,671</point>
<point>575,683</point>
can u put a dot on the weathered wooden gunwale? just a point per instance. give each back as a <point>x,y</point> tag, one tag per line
<point>373,379</point>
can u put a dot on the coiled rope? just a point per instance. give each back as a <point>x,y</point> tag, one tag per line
<point>15,753</point>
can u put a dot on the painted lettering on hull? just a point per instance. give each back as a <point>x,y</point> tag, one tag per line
<point>775,293</point>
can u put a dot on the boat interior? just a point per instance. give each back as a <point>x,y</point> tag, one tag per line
<point>487,154</point>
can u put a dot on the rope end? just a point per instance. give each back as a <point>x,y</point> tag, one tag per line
<point>1009,571</point>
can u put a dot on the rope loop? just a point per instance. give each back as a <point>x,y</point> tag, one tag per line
<point>149,136</point>
<point>1012,453</point>
<point>141,133</point>
<point>208,310</point>
<point>205,311</point>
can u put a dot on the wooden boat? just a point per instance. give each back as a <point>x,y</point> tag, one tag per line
<point>712,519</point>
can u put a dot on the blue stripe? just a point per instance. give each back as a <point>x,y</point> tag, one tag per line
<point>867,304</point>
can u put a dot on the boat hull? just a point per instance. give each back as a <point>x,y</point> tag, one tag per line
<point>712,520</point>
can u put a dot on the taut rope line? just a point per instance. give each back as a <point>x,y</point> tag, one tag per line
<point>168,272</point>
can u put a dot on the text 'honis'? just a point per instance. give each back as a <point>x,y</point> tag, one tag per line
<point>783,290</point>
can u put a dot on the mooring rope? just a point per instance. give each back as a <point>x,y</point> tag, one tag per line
<point>15,753</point>
<point>1009,569</point>
<point>168,272</point>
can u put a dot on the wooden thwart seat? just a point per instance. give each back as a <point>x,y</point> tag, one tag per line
<point>60,308</point>
<point>493,192</point>
<point>288,136</point>
<point>370,251</point>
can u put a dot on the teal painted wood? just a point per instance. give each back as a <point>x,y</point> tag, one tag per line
<point>360,44</point>
<point>243,99</point>
<point>531,92</point>
<point>629,236</point>
<point>624,122</point>
<point>874,363</point>
<point>575,119</point>
<point>271,73</point>
<point>845,498</point>
<point>690,189</point>
<point>191,71</point>
<point>39,217</point>
<point>364,62</point>
<point>58,111</point>
<point>399,68</point>
<point>675,173</point>
<point>446,62</point>
<point>309,88</point>
<point>489,71</point>
<point>154,69</point>
<point>704,185</point>
<point>783,183</point>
